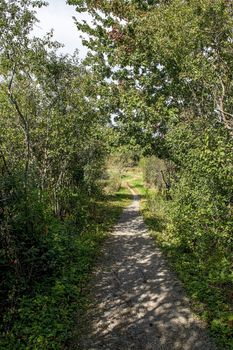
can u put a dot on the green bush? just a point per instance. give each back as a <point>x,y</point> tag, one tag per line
<point>194,224</point>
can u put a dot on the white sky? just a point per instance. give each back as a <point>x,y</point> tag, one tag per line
<point>58,16</point>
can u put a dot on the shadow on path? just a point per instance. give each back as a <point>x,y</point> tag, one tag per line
<point>137,302</point>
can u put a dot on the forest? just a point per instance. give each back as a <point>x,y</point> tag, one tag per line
<point>155,93</point>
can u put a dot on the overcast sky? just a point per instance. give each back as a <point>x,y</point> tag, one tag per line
<point>58,15</point>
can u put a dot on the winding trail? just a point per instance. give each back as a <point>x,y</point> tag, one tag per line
<point>137,302</point>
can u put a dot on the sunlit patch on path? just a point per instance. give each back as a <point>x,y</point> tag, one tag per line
<point>137,302</point>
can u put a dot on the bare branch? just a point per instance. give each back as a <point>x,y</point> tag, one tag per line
<point>12,78</point>
<point>221,111</point>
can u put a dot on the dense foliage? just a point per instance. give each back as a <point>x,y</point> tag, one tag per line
<point>195,233</point>
<point>161,73</point>
<point>52,154</point>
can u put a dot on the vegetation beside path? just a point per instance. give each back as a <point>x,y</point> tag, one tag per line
<point>46,317</point>
<point>210,298</point>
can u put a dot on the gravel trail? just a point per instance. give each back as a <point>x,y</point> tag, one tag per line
<point>137,302</point>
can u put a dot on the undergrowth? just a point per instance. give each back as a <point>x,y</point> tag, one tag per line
<point>45,317</point>
<point>210,298</point>
<point>209,290</point>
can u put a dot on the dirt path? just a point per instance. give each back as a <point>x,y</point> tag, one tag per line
<point>137,302</point>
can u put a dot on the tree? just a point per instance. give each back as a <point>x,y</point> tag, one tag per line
<point>52,151</point>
